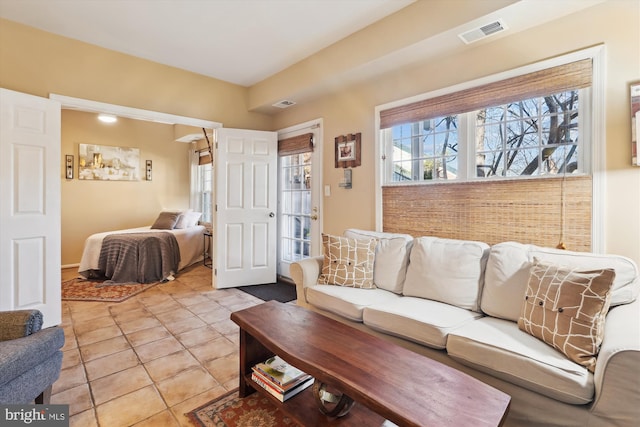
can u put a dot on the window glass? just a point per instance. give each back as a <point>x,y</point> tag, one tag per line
<point>533,137</point>
<point>426,150</point>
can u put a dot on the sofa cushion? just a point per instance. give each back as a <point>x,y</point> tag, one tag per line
<point>566,309</point>
<point>346,302</point>
<point>420,320</point>
<point>392,257</point>
<point>508,267</point>
<point>348,262</point>
<point>446,270</point>
<point>499,348</point>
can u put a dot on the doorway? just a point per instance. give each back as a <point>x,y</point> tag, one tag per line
<point>299,189</point>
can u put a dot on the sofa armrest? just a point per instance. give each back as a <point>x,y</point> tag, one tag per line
<point>616,375</point>
<point>19,323</point>
<point>305,273</point>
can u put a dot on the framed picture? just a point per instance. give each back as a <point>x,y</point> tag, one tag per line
<point>347,151</point>
<point>635,122</point>
<point>107,163</point>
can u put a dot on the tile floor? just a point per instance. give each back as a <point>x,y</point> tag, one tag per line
<point>148,360</point>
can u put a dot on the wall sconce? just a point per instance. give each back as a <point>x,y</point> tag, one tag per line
<point>346,180</point>
<point>69,166</point>
<point>149,168</point>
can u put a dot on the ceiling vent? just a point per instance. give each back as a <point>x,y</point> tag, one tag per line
<point>284,104</point>
<point>487,30</point>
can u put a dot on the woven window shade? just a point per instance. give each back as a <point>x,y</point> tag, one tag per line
<point>295,145</point>
<point>526,211</point>
<point>205,157</point>
<point>575,75</point>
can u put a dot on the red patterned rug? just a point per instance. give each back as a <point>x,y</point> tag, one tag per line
<point>95,290</point>
<point>232,411</point>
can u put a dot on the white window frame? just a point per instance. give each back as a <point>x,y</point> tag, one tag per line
<point>592,118</point>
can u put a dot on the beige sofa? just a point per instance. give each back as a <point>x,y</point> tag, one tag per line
<point>458,302</point>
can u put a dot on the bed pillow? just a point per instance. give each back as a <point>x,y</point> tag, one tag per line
<point>566,309</point>
<point>188,219</point>
<point>166,221</point>
<point>348,262</point>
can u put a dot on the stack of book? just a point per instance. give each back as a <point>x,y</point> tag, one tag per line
<point>280,379</point>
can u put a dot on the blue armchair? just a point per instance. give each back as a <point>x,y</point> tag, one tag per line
<point>30,357</point>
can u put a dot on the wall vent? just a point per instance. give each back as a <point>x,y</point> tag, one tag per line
<point>284,104</point>
<point>481,32</point>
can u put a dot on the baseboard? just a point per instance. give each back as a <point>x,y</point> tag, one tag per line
<point>71,265</point>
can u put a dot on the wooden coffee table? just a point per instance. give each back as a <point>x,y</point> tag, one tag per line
<point>386,381</point>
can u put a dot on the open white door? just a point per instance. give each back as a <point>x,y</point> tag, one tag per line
<point>30,205</point>
<point>245,166</point>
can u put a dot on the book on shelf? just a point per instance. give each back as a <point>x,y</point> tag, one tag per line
<point>277,393</point>
<point>279,371</point>
<point>278,387</point>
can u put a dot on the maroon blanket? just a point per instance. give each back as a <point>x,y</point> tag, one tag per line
<point>139,257</point>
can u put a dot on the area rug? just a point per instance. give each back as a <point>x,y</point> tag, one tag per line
<point>94,290</point>
<point>232,411</point>
<point>283,292</point>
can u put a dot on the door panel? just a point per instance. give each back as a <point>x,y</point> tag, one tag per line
<point>246,194</point>
<point>30,205</point>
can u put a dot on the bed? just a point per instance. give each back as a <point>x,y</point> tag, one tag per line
<point>188,242</point>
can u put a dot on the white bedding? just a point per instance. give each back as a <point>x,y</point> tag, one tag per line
<point>190,241</point>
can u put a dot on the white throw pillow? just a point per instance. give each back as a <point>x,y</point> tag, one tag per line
<point>188,219</point>
<point>447,270</point>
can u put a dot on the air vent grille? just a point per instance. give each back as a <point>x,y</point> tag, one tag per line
<point>284,104</point>
<point>483,31</point>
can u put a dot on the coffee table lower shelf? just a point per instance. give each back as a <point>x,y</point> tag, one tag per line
<point>303,409</point>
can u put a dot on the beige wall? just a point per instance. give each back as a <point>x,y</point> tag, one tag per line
<point>94,206</point>
<point>40,63</point>
<point>614,23</point>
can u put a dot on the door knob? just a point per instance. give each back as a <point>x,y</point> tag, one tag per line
<point>271,214</point>
<point>314,217</point>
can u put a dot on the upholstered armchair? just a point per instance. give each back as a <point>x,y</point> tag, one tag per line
<point>30,357</point>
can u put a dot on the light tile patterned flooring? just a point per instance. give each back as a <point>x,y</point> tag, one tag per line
<point>148,360</point>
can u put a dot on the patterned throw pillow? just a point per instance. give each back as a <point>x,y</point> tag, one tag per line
<point>348,262</point>
<point>566,309</point>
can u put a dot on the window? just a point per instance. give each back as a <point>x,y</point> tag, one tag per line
<point>204,191</point>
<point>426,150</point>
<point>295,193</point>
<point>531,137</point>
<point>527,126</point>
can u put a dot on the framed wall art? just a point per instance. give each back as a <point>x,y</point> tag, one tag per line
<point>107,163</point>
<point>348,150</point>
<point>635,122</point>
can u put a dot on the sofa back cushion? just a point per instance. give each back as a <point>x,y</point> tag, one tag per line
<point>391,259</point>
<point>446,270</point>
<point>508,270</point>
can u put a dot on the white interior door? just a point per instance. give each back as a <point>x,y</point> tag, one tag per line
<point>30,205</point>
<point>245,232</point>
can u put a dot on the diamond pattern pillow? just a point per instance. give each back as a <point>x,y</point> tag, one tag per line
<point>348,262</point>
<point>566,309</point>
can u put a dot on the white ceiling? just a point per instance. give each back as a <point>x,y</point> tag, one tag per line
<point>238,41</point>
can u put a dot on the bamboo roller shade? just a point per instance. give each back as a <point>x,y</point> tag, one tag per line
<point>295,145</point>
<point>525,211</point>
<point>575,75</point>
